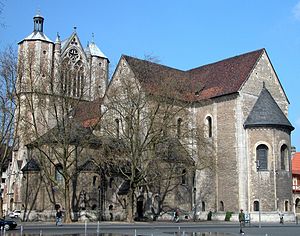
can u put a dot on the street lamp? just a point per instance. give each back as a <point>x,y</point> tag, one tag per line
<point>259,202</point>
<point>99,204</point>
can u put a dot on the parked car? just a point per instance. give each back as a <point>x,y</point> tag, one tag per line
<point>14,214</point>
<point>8,224</point>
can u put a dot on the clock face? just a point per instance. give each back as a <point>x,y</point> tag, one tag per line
<point>73,54</point>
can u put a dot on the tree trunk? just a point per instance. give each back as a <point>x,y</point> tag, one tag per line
<point>130,212</point>
<point>68,218</point>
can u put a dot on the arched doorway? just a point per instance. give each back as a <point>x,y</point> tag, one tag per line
<point>140,206</point>
<point>297,205</point>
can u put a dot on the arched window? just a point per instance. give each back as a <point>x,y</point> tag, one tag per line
<point>58,173</point>
<point>179,121</point>
<point>117,127</point>
<point>297,205</point>
<point>221,206</point>
<point>183,177</point>
<point>256,205</point>
<point>110,183</point>
<point>203,206</point>
<point>283,157</point>
<point>72,79</point>
<point>209,126</point>
<point>262,157</point>
<point>94,180</point>
<point>286,206</point>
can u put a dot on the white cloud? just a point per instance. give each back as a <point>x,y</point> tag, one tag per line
<point>296,11</point>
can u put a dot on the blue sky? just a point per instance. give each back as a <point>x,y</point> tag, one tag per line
<point>181,34</point>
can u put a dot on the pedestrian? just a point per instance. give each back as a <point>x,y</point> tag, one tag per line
<point>58,217</point>
<point>281,217</point>
<point>242,221</point>
<point>176,215</point>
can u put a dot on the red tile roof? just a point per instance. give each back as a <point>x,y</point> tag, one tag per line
<point>205,82</point>
<point>296,163</point>
<point>88,113</point>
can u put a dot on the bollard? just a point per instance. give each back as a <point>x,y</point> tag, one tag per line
<point>98,228</point>
<point>21,230</point>
<point>134,232</point>
<point>41,232</point>
<point>85,228</point>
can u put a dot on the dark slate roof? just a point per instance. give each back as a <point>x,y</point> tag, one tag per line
<point>266,113</point>
<point>72,132</point>
<point>31,165</point>
<point>89,165</point>
<point>205,82</point>
<point>124,188</point>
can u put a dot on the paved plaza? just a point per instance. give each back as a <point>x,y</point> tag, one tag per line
<point>152,229</point>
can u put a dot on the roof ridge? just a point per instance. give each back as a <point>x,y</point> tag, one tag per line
<point>155,63</point>
<point>229,58</point>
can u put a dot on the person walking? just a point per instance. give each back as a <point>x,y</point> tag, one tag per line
<point>58,217</point>
<point>242,221</point>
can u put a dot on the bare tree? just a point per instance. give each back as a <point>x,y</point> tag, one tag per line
<point>142,118</point>
<point>8,64</point>
<point>49,128</point>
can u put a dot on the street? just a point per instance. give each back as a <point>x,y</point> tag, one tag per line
<point>159,228</point>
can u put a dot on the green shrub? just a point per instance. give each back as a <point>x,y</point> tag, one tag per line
<point>228,215</point>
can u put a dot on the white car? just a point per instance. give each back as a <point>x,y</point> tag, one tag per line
<point>14,214</point>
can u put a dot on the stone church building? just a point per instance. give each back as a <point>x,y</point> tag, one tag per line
<point>238,102</point>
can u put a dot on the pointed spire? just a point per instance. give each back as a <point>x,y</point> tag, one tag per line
<point>264,84</point>
<point>57,38</point>
<point>75,28</point>
<point>93,38</point>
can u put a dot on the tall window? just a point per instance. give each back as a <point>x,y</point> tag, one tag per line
<point>183,177</point>
<point>221,206</point>
<point>286,206</point>
<point>179,121</point>
<point>209,126</point>
<point>72,81</point>
<point>203,206</point>
<point>58,173</point>
<point>117,121</point>
<point>262,157</point>
<point>256,206</point>
<point>283,157</point>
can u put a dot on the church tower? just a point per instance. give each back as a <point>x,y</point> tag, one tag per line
<point>48,73</point>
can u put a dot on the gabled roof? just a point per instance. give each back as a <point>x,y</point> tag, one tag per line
<point>296,163</point>
<point>205,82</point>
<point>267,113</point>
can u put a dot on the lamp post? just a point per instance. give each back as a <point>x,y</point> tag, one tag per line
<point>259,203</point>
<point>99,204</point>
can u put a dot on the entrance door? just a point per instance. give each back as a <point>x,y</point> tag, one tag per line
<point>140,207</point>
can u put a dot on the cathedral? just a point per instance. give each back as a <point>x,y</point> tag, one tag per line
<point>238,104</point>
